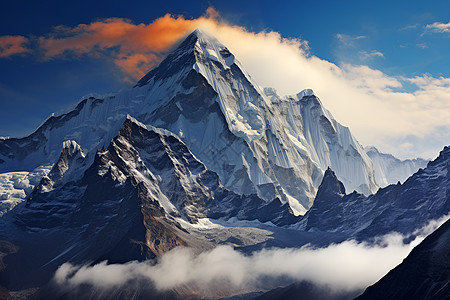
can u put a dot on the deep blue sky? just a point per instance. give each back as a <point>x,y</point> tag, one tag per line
<point>30,90</point>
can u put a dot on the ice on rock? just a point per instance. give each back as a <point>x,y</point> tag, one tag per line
<point>240,105</point>
<point>213,49</point>
<point>304,93</point>
<point>16,186</point>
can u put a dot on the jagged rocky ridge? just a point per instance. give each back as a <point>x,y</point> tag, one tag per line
<point>124,203</point>
<point>256,142</point>
<point>402,207</point>
<point>129,202</point>
<point>151,161</point>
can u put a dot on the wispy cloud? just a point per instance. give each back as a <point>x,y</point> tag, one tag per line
<point>347,266</point>
<point>408,27</point>
<point>350,48</point>
<point>422,45</point>
<point>438,27</point>
<point>348,39</point>
<point>10,45</point>
<point>365,55</point>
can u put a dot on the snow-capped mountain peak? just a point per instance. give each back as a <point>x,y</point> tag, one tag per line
<point>256,141</point>
<point>212,49</point>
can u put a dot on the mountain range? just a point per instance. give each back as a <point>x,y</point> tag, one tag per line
<point>132,175</point>
<point>256,141</point>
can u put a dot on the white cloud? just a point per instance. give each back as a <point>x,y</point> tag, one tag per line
<point>349,47</point>
<point>347,266</point>
<point>407,145</point>
<point>407,27</point>
<point>422,45</point>
<point>439,27</point>
<point>376,106</point>
<point>348,39</point>
<point>371,54</point>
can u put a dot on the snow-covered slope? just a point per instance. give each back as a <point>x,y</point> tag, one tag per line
<point>257,142</point>
<point>15,187</point>
<point>389,169</point>
<point>327,143</point>
<point>159,165</point>
<point>132,200</point>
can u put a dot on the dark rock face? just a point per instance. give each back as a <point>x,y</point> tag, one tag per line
<point>402,207</point>
<point>424,274</point>
<point>305,290</point>
<point>328,206</point>
<point>124,205</point>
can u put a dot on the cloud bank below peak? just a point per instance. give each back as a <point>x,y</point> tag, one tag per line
<point>339,268</point>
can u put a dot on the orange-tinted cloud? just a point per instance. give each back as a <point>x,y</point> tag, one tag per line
<point>134,48</point>
<point>10,45</point>
<point>135,65</point>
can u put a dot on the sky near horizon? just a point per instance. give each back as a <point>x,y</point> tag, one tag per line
<point>381,68</point>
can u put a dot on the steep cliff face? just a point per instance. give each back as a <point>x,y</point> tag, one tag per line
<point>108,202</point>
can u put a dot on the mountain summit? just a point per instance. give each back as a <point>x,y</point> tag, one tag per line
<point>256,141</point>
